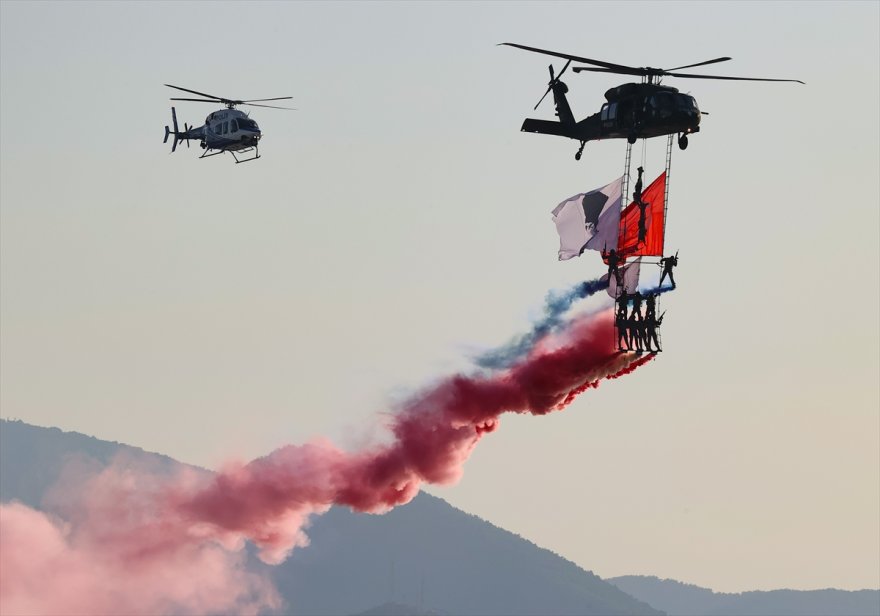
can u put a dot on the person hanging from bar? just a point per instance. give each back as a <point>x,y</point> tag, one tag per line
<point>643,206</point>
<point>637,193</point>
<point>643,221</point>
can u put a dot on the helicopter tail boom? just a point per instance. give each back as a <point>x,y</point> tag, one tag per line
<point>547,127</point>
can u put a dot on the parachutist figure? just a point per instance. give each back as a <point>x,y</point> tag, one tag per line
<point>637,303</point>
<point>620,322</point>
<point>668,263</point>
<point>613,259</point>
<point>651,325</point>
<point>643,335</point>
<point>637,323</point>
<point>650,305</point>
<point>636,328</point>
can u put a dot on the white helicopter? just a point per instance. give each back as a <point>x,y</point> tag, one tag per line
<point>226,130</point>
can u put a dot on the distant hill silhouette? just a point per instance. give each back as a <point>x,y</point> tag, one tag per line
<point>678,599</point>
<point>396,609</point>
<point>422,558</point>
<point>431,554</point>
<point>31,458</point>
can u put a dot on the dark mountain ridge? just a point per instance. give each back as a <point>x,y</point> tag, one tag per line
<point>679,599</point>
<point>425,554</point>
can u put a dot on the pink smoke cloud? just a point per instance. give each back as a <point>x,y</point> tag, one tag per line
<point>120,564</point>
<point>135,542</point>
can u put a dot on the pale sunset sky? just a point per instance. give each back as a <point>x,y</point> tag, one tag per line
<point>399,221</point>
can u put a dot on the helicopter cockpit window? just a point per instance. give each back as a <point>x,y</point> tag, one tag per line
<point>233,125</point>
<point>609,111</point>
<point>661,105</point>
<point>663,101</point>
<point>247,124</point>
<point>683,101</point>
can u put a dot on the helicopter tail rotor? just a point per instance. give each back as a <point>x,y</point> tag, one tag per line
<point>175,132</point>
<point>554,79</point>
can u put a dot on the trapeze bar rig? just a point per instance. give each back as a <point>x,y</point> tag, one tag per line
<point>624,202</point>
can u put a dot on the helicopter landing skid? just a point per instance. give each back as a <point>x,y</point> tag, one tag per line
<point>253,149</point>
<point>208,153</point>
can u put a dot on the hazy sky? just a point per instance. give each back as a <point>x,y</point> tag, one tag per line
<point>399,221</point>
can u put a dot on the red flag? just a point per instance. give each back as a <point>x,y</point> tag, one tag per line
<point>628,243</point>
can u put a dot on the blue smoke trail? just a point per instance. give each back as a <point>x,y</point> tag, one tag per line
<point>657,290</point>
<point>555,305</point>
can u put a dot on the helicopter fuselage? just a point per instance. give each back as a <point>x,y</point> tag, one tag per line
<point>226,130</point>
<point>632,111</point>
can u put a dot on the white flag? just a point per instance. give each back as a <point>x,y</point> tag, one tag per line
<point>630,275</point>
<point>589,220</point>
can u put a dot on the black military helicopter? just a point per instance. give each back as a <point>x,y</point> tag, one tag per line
<point>226,130</point>
<point>633,110</point>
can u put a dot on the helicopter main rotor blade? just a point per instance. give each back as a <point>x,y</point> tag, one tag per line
<point>661,73</point>
<point>280,98</point>
<point>566,56</point>
<point>578,69</point>
<point>271,106</point>
<point>690,76</point>
<point>199,93</point>
<point>724,59</point>
<point>199,100</point>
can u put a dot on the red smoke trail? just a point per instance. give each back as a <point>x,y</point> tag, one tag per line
<point>136,543</point>
<point>644,359</point>
<point>268,500</point>
<point>574,393</point>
